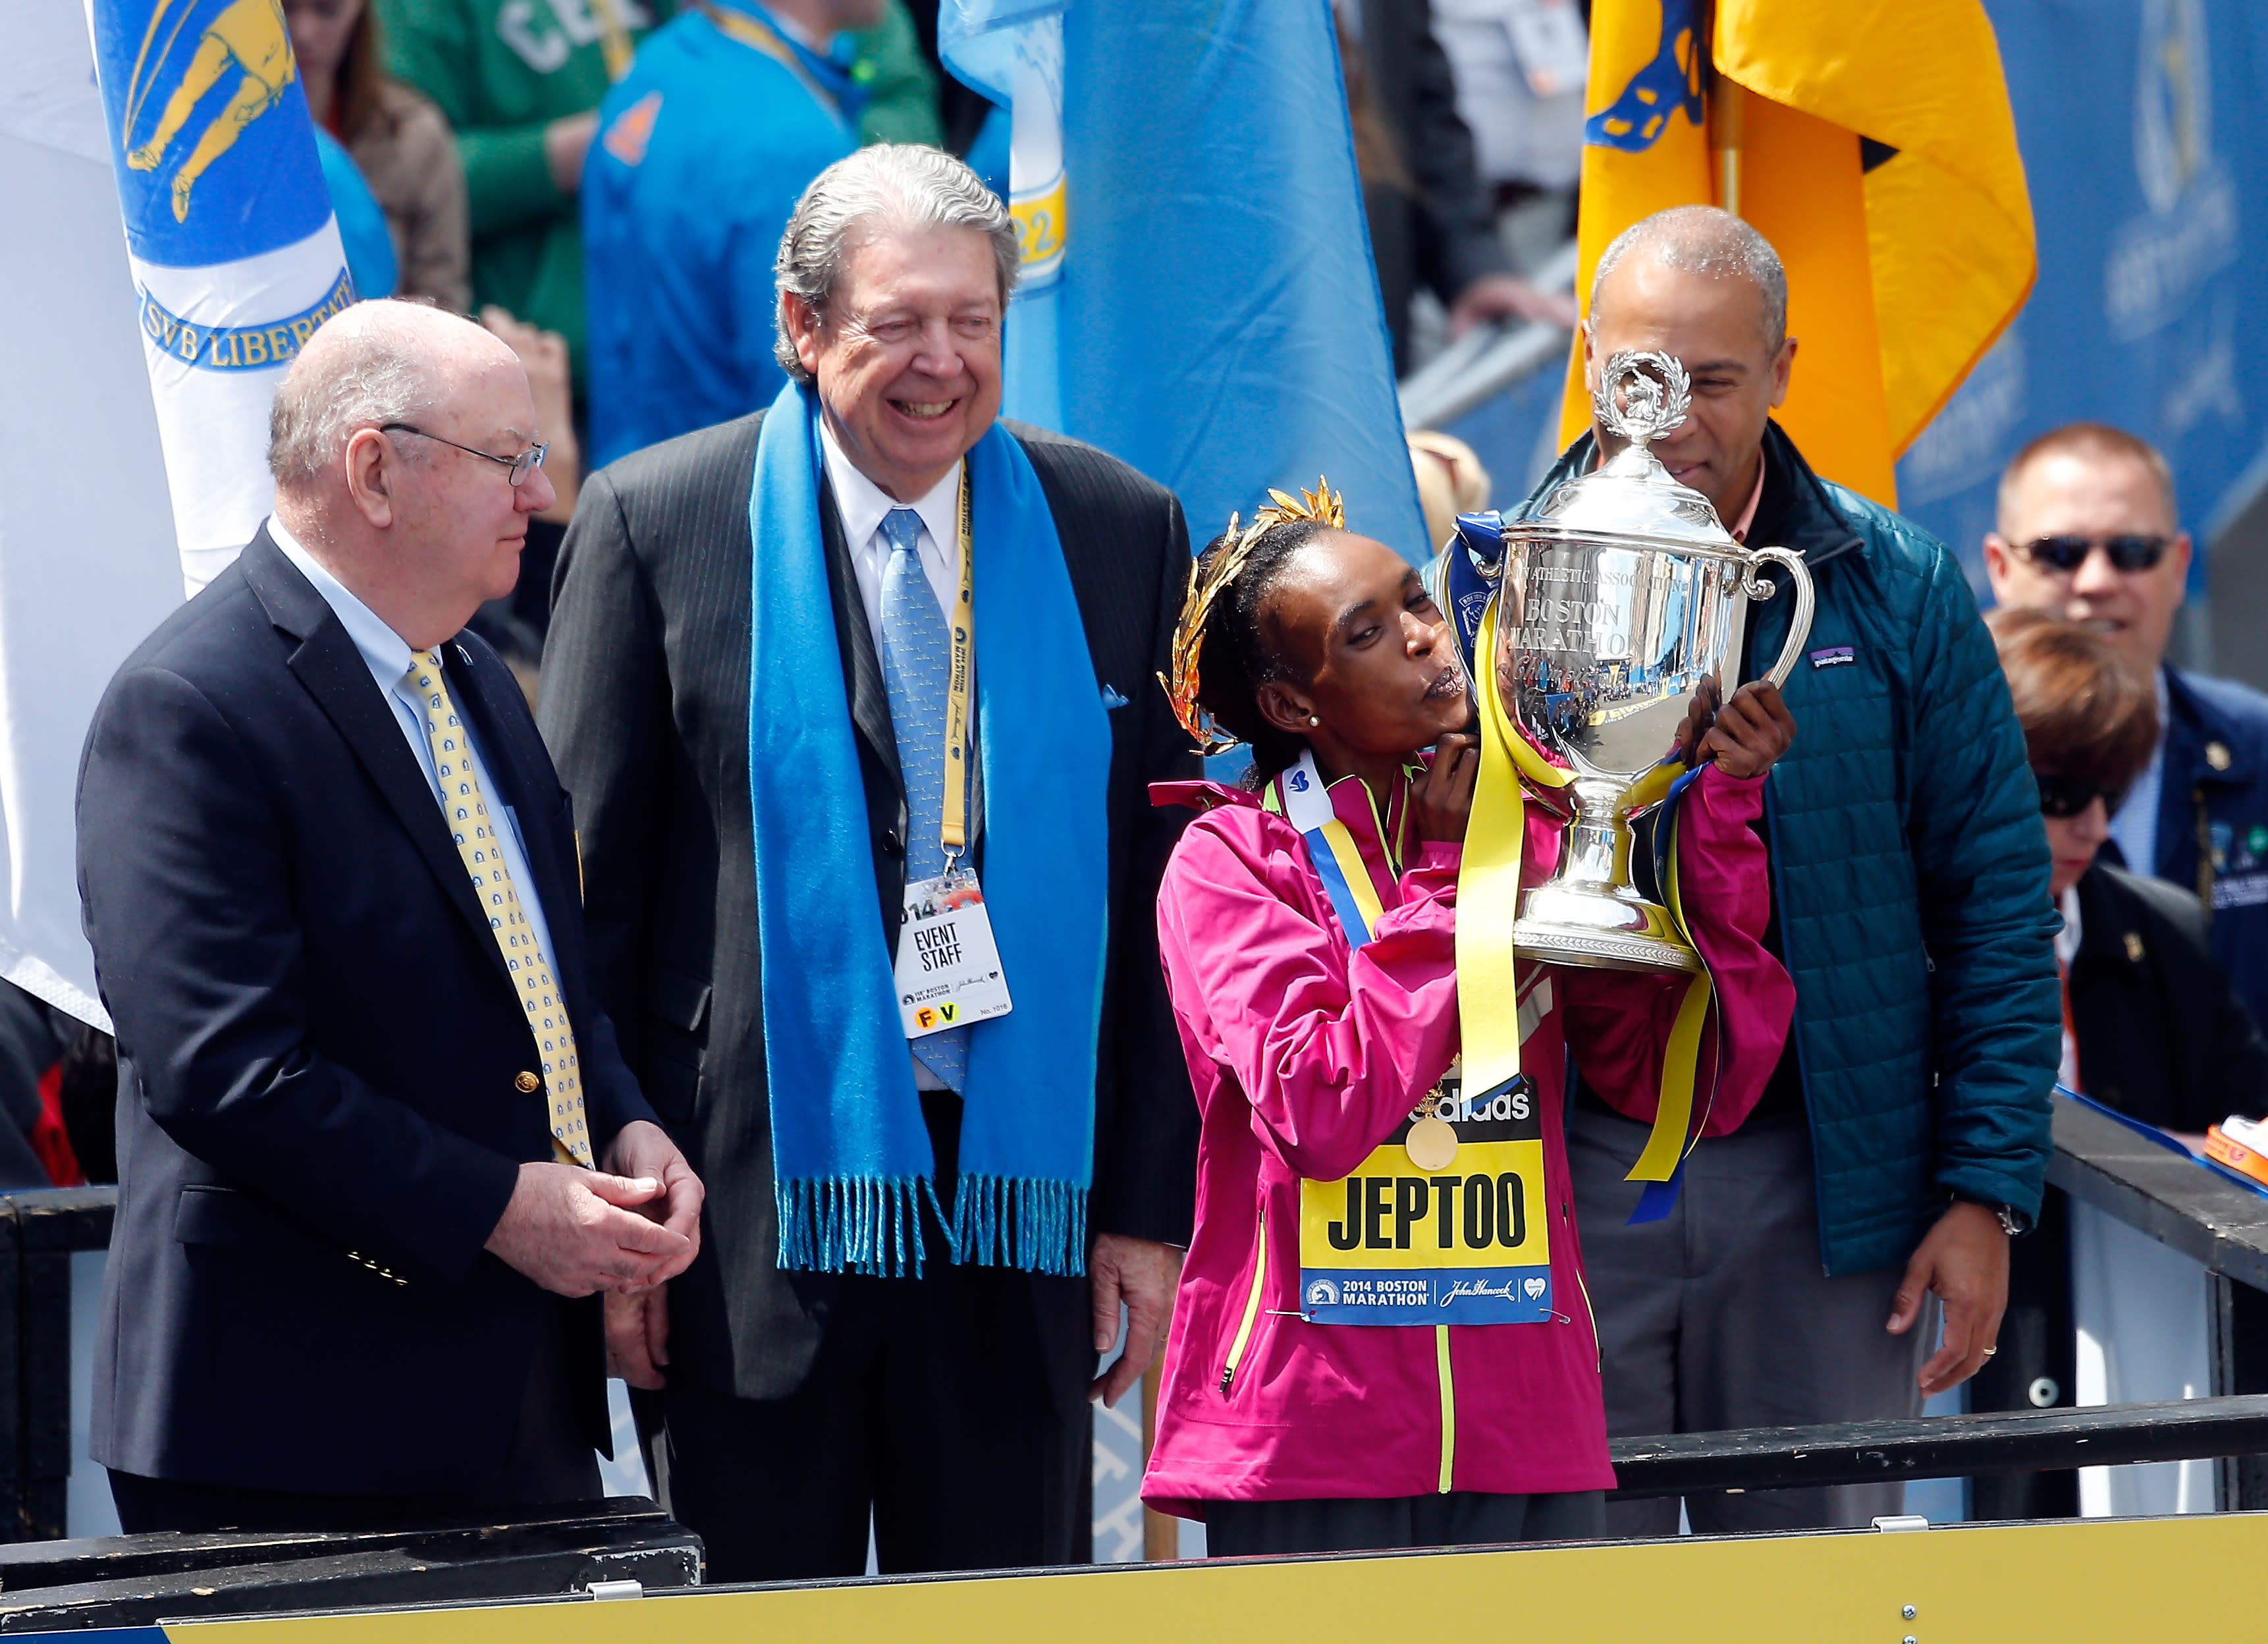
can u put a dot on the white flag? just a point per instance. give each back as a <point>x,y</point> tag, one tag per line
<point>87,558</point>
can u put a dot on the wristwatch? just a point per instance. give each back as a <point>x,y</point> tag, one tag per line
<point>2013,1222</point>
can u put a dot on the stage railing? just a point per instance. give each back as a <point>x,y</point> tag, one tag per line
<point>1489,359</point>
<point>39,1233</point>
<point>2097,1160</point>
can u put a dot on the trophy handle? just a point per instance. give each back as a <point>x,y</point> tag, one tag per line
<point>1807,601</point>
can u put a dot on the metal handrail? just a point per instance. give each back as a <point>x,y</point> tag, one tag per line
<point>2155,1190</point>
<point>1488,359</point>
<point>2097,1160</point>
<point>1941,1446</point>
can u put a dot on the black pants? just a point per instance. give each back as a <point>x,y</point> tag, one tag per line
<point>2036,1367</point>
<point>927,1407</point>
<point>1460,1518</point>
<point>547,1462</point>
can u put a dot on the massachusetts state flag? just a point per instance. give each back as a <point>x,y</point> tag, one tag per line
<point>235,255</point>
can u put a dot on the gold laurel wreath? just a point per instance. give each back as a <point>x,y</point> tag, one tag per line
<point>1324,505</point>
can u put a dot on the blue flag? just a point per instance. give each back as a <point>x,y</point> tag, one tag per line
<point>235,255</point>
<point>1198,297</point>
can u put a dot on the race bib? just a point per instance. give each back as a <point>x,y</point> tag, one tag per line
<point>948,969</point>
<point>1466,1244</point>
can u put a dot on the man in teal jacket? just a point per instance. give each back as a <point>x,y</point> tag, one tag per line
<point>1903,1138</point>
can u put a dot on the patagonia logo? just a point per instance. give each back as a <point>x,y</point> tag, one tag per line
<point>1830,656</point>
<point>240,348</point>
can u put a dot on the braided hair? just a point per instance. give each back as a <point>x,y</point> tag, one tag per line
<point>1240,657</point>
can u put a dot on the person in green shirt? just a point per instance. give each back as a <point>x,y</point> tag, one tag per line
<point>520,82</point>
<point>901,89</point>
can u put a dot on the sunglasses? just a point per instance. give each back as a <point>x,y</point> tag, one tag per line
<point>2128,551</point>
<point>2062,796</point>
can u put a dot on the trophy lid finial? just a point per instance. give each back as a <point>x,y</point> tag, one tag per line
<point>1643,393</point>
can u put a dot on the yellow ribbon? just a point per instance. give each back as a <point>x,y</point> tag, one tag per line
<point>1488,901</point>
<point>1488,886</point>
<point>1681,1060</point>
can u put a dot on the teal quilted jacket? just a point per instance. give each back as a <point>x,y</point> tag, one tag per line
<point>1910,872</point>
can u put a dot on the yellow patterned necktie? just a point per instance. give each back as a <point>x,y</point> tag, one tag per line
<point>474,832</point>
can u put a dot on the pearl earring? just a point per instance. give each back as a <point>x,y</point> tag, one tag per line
<point>1312,720</point>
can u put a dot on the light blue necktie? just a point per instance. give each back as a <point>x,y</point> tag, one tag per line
<point>917,658</point>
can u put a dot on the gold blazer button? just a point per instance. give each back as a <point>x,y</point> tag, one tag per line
<point>527,1084</point>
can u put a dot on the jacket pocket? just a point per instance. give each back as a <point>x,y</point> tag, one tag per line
<point>1245,1326</point>
<point>678,999</point>
<point>238,1222</point>
<point>679,1007</point>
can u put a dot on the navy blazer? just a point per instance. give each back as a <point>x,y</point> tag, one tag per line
<point>646,701</point>
<point>2213,820</point>
<point>326,1083</point>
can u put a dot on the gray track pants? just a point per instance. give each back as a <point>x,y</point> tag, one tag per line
<point>1719,1316</point>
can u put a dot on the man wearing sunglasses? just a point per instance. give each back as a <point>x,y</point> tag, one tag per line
<point>2088,529</point>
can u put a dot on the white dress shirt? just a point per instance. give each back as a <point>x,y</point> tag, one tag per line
<point>387,655</point>
<point>2135,826</point>
<point>860,504</point>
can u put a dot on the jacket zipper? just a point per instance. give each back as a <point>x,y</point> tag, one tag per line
<point>1598,1347</point>
<point>1592,1313</point>
<point>1251,1306</point>
<point>1448,1405</point>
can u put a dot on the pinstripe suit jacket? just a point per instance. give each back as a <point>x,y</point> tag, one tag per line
<point>645,707</point>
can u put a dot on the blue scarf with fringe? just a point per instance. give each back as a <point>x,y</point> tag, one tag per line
<point>851,1163</point>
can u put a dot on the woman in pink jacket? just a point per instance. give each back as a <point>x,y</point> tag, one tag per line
<point>1307,1405</point>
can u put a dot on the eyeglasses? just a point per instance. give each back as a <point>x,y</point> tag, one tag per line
<point>519,467</point>
<point>2065,797</point>
<point>2128,551</point>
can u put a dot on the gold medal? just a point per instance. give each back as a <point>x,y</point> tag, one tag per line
<point>1431,1144</point>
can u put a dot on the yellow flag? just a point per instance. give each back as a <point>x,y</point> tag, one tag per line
<point>1646,140</point>
<point>1872,142</point>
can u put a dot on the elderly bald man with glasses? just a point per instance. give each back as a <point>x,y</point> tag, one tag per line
<point>378,1151</point>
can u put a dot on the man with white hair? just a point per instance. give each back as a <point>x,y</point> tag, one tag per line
<point>374,1131</point>
<point>1903,1138</point>
<point>815,677</point>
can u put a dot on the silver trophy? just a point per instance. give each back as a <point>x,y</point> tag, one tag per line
<point>1616,599</point>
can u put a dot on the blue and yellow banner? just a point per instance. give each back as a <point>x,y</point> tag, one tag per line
<point>240,348</point>
<point>235,254</point>
<point>1871,142</point>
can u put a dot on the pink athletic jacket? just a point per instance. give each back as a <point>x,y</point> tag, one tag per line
<point>1305,1055</point>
